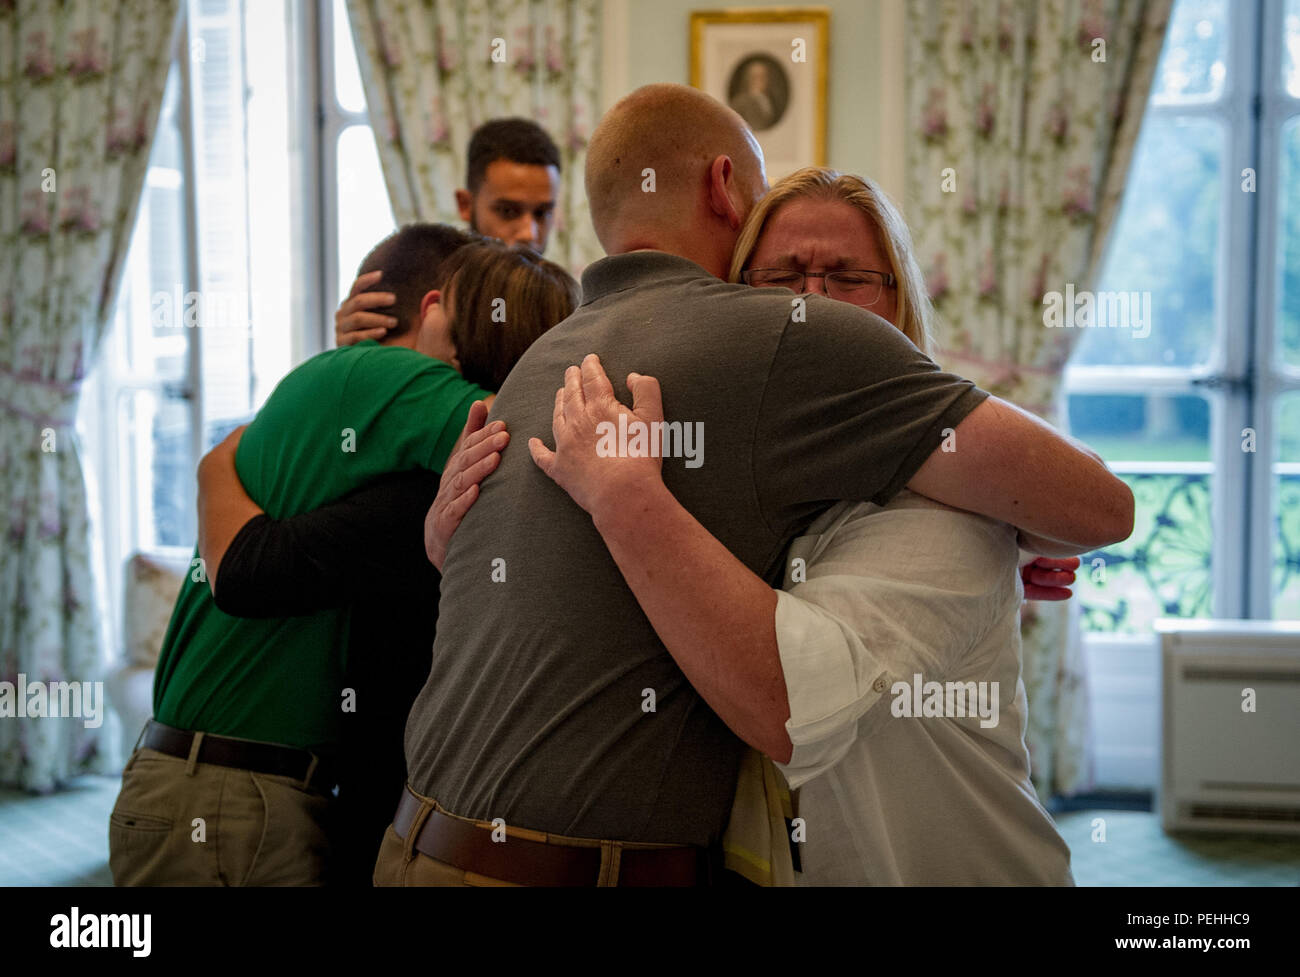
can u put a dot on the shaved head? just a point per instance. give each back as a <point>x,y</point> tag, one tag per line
<point>678,132</point>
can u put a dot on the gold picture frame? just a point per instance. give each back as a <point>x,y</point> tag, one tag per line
<point>749,58</point>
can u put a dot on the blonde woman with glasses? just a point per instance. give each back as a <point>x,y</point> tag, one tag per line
<point>897,626</point>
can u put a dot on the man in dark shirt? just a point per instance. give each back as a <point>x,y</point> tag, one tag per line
<point>556,740</point>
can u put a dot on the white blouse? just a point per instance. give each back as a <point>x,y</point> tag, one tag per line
<point>900,782</point>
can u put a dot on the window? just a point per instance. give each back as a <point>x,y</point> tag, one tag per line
<point>224,287</point>
<point>1199,411</point>
<point>364,214</point>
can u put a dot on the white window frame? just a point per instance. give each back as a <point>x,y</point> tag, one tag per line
<point>114,492</point>
<point>1224,378</point>
<point>1275,108</point>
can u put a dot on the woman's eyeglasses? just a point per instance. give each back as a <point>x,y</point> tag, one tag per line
<point>858,287</point>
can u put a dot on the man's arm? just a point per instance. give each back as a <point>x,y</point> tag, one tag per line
<point>715,617</point>
<point>224,506</point>
<point>366,545</point>
<point>852,410</point>
<point>1011,466</point>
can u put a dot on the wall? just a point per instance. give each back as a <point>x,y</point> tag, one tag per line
<point>649,41</point>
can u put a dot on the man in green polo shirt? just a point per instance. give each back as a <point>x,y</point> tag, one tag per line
<point>247,712</point>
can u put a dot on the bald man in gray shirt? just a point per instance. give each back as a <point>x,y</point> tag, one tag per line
<point>557,741</point>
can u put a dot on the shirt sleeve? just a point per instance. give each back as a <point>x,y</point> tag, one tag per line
<point>367,546</point>
<point>889,594</point>
<point>851,409</point>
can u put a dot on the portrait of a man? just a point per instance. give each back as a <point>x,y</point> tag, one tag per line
<point>759,90</point>
<point>769,66</point>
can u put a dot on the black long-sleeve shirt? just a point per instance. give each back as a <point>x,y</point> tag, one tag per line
<point>366,550</point>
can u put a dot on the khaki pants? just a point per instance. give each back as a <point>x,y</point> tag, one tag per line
<point>400,864</point>
<point>179,822</point>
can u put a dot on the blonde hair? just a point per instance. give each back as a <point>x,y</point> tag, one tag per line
<point>915,313</point>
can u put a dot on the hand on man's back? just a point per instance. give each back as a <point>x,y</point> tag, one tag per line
<point>477,456</point>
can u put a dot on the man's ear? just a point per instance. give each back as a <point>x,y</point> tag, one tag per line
<point>431,297</point>
<point>721,175</point>
<point>465,204</point>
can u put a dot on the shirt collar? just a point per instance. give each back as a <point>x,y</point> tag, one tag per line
<point>622,271</point>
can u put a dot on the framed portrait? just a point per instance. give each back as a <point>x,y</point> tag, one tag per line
<point>769,64</point>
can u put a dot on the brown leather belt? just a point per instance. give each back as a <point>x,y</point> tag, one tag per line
<point>268,758</point>
<point>470,848</point>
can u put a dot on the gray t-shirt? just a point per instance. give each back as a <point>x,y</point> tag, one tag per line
<point>537,708</point>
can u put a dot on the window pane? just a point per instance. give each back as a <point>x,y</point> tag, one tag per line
<point>174,517</point>
<point>347,75</point>
<point>365,216</point>
<point>245,199</point>
<point>152,334</point>
<point>1142,427</point>
<point>1286,510</point>
<point>1287,315</point>
<point>1291,48</point>
<point>1159,444</point>
<point>221,305</point>
<point>274,304</point>
<point>157,499</point>
<point>152,349</point>
<point>1193,64</point>
<point>1166,249</point>
<point>1163,569</point>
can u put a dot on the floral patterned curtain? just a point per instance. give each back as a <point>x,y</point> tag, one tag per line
<point>1022,119</point>
<point>434,70</point>
<point>81,84</point>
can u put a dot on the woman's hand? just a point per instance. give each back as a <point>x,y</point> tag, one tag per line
<point>352,323</point>
<point>1049,579</point>
<point>477,456</point>
<point>588,461</point>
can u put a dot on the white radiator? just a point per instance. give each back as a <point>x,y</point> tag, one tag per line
<point>1230,732</point>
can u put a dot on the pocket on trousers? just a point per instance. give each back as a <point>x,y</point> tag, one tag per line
<point>144,823</point>
<point>135,842</point>
<point>294,847</point>
<point>132,833</point>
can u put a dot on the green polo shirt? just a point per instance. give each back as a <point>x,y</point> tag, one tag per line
<point>339,420</point>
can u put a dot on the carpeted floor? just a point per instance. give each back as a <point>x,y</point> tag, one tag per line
<point>57,839</point>
<point>1137,852</point>
<point>62,839</point>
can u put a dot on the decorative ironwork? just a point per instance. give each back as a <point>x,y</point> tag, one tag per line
<point>1286,544</point>
<point>1164,568</point>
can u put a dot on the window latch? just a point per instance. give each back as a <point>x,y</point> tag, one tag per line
<point>1222,381</point>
